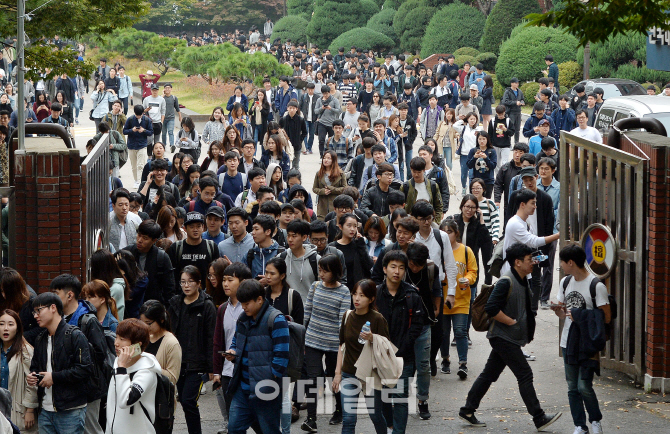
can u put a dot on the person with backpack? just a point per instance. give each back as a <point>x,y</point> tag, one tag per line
<point>194,250</point>
<point>294,126</point>
<point>193,317</point>
<point>512,327</point>
<point>265,247</point>
<point>82,314</point>
<point>327,302</point>
<point>231,181</point>
<point>301,259</point>
<point>581,291</point>
<point>134,381</point>
<point>57,372</point>
<point>340,144</point>
<point>375,199</point>
<point>260,352</point>
<point>378,152</point>
<point>351,243</point>
<point>421,187</point>
<point>138,128</point>
<point>501,130</point>
<point>118,153</point>
<point>436,173</point>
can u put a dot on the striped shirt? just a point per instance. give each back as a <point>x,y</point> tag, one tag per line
<point>491,216</point>
<point>324,310</point>
<point>280,351</point>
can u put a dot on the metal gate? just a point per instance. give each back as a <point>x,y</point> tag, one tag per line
<point>601,184</point>
<point>94,202</point>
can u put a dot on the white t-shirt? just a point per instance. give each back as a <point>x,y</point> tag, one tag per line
<point>578,295</point>
<point>230,325</point>
<point>532,222</point>
<point>123,241</point>
<point>588,133</point>
<point>421,192</point>
<point>48,401</point>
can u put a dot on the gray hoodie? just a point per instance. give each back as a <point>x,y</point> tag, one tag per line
<point>327,116</point>
<point>299,273</point>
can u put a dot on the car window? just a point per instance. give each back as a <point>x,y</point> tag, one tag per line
<point>610,90</point>
<point>631,89</point>
<point>663,117</point>
<point>589,87</point>
<point>604,119</point>
<point>620,115</point>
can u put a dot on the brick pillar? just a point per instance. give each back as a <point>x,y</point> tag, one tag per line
<point>657,361</point>
<point>48,207</point>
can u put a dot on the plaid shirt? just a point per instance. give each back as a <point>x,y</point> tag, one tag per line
<point>340,148</point>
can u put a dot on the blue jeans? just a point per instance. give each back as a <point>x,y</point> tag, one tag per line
<point>408,157</point>
<point>168,130</point>
<point>125,105</point>
<point>399,408</point>
<point>460,323</point>
<point>446,150</point>
<point>581,394</point>
<point>244,410</point>
<point>464,171</point>
<point>309,139</point>
<point>62,422</point>
<point>422,362</point>
<point>350,389</point>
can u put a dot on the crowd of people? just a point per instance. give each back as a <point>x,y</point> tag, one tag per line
<point>224,267</point>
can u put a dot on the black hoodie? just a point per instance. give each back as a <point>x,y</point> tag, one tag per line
<point>405,316</point>
<point>193,325</point>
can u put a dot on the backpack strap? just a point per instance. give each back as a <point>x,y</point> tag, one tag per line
<point>191,206</point>
<point>250,257</point>
<point>592,288</point>
<point>313,264</point>
<point>271,319</point>
<point>290,301</point>
<point>179,248</point>
<point>210,249</point>
<point>245,193</point>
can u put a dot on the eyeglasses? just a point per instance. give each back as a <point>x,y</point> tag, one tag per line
<point>211,276</point>
<point>425,219</point>
<point>184,283</point>
<point>319,240</point>
<point>37,311</point>
<point>470,207</point>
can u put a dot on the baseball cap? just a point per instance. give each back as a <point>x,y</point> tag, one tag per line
<point>474,87</point>
<point>526,171</point>
<point>513,80</point>
<point>216,211</point>
<point>194,217</point>
<point>543,122</point>
<point>154,86</point>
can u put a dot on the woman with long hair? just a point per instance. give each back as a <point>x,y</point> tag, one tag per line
<point>215,128</point>
<point>159,153</point>
<point>375,236</point>
<point>275,153</point>
<point>17,297</point>
<point>487,98</point>
<point>105,268</point>
<point>67,112</point>
<point>167,220</point>
<point>176,165</point>
<point>375,107</point>
<point>42,106</point>
<point>329,183</point>
<point>275,129</point>
<point>396,215</point>
<point>138,281</point>
<point>238,118</point>
<point>187,161</point>
<point>162,343</point>
<point>383,82</point>
<point>100,97</point>
<point>188,139</point>
<point>437,159</point>
<point>214,158</point>
<point>457,315</point>
<point>447,136</point>
<point>319,81</point>
<point>352,245</point>
<point>308,73</point>
<point>467,132</point>
<point>192,174</point>
<point>260,111</point>
<point>482,160</point>
<point>274,178</point>
<point>232,139</point>
<point>16,355</point>
<point>214,285</point>
<point>363,297</point>
<point>97,293</point>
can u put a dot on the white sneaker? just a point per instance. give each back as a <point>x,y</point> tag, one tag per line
<point>389,430</point>
<point>203,389</point>
<point>580,430</point>
<point>597,427</point>
<point>529,357</point>
<point>136,185</point>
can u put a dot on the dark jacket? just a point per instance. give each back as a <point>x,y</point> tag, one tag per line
<point>375,201</point>
<point>422,95</point>
<point>564,120</point>
<point>161,285</point>
<point>207,161</point>
<point>357,167</point>
<point>69,369</point>
<point>505,139</point>
<point>378,268</point>
<point>405,316</point>
<point>295,128</point>
<point>289,194</point>
<point>491,161</point>
<point>508,171</point>
<point>410,128</point>
<point>137,140</point>
<point>478,237</point>
<point>544,213</point>
<point>284,163</point>
<point>69,88</point>
<point>282,98</point>
<point>586,338</point>
<point>147,168</point>
<point>509,100</point>
<point>514,298</point>
<point>244,102</point>
<point>533,121</point>
<point>197,320</point>
<point>170,187</point>
<point>28,321</point>
<point>281,303</point>
<point>362,265</point>
<point>410,100</point>
<point>304,105</point>
<point>438,175</point>
<point>136,298</point>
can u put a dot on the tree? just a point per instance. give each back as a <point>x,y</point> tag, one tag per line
<point>415,26</point>
<point>201,60</point>
<point>238,14</point>
<point>382,22</point>
<point>369,8</point>
<point>597,21</point>
<point>364,38</point>
<point>332,18</point>
<point>49,58</point>
<point>168,13</point>
<point>522,55</point>
<point>299,7</point>
<point>161,50</point>
<point>466,33</point>
<point>290,27</point>
<point>506,14</point>
<point>244,67</point>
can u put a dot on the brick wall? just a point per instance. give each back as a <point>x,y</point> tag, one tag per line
<point>658,251</point>
<point>48,234</point>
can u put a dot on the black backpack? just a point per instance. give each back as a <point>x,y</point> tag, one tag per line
<point>102,358</point>
<point>296,347</point>
<point>164,405</point>
<point>610,299</point>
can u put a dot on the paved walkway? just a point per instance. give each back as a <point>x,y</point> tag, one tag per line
<point>626,408</point>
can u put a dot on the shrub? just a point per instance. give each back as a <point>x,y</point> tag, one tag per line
<point>522,55</point>
<point>411,37</point>
<point>399,18</point>
<point>506,14</point>
<point>529,90</point>
<point>369,8</point>
<point>498,89</point>
<point>467,29</point>
<point>200,60</point>
<point>332,18</point>
<point>569,74</point>
<point>460,60</point>
<point>391,4</point>
<point>647,84</point>
<point>641,74</point>
<point>290,27</point>
<point>466,51</point>
<point>382,22</point>
<point>364,38</point>
<point>616,51</point>
<point>488,60</point>
<point>298,7</point>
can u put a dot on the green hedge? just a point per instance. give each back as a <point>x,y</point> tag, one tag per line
<point>460,60</point>
<point>488,60</point>
<point>641,74</point>
<point>403,9</point>
<point>299,7</point>
<point>364,38</point>
<point>522,55</point>
<point>466,51</point>
<point>332,18</point>
<point>290,27</point>
<point>616,51</point>
<point>382,22</point>
<point>417,24</point>
<point>506,14</point>
<point>464,28</point>
<point>569,74</point>
<point>369,8</point>
<point>529,90</point>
